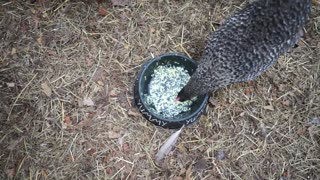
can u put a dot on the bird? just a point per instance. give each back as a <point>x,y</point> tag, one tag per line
<point>247,44</point>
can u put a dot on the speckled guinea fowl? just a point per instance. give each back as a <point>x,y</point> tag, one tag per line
<point>247,44</point>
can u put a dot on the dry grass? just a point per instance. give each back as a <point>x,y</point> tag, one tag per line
<point>53,55</point>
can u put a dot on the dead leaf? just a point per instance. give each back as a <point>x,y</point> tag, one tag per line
<point>13,51</point>
<point>46,89</point>
<point>181,148</point>
<point>133,113</point>
<point>113,93</point>
<point>282,87</point>
<point>126,147</point>
<point>44,173</point>
<point>14,143</point>
<point>44,14</point>
<point>200,165</point>
<point>213,102</point>
<point>33,11</point>
<point>11,85</point>
<point>96,88</point>
<point>106,158</point>
<point>99,75</point>
<point>100,83</point>
<point>89,62</point>
<point>36,21</point>
<point>102,11</point>
<point>85,123</point>
<point>121,2</point>
<point>67,120</point>
<point>91,151</point>
<point>285,174</point>
<point>108,170</point>
<point>11,172</point>
<point>286,102</point>
<point>189,172</point>
<point>248,91</point>
<point>152,30</point>
<point>182,171</point>
<point>50,52</point>
<point>315,2</point>
<point>87,101</point>
<point>40,40</point>
<point>91,114</point>
<point>270,107</point>
<point>113,135</point>
<point>301,131</point>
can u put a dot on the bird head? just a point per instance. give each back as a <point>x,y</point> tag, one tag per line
<point>184,95</point>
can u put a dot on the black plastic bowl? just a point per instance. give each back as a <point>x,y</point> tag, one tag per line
<point>141,88</point>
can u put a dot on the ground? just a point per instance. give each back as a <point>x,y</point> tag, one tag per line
<point>66,112</point>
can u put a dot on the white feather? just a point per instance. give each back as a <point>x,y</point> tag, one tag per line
<point>168,145</point>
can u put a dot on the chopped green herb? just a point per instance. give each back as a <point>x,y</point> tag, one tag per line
<point>165,84</point>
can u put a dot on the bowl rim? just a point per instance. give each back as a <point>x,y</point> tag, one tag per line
<point>193,116</point>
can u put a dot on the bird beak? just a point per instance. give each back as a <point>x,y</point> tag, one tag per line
<point>178,99</point>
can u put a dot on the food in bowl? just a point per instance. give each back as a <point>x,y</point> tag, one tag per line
<point>164,86</point>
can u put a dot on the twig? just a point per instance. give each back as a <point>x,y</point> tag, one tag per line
<point>62,116</point>
<point>117,172</point>
<point>181,44</point>
<point>184,50</point>
<point>62,4</point>
<point>16,100</point>
<point>95,70</point>
<point>20,165</point>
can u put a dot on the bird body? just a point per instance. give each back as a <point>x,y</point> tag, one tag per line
<point>247,44</point>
